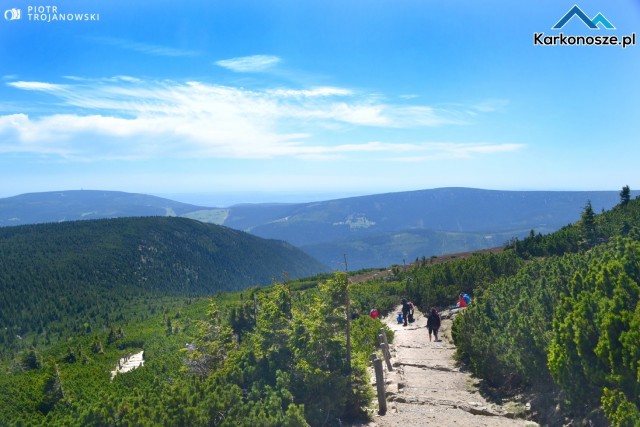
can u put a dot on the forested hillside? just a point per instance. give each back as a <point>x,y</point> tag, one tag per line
<point>556,316</point>
<point>274,356</point>
<point>383,229</point>
<point>59,280</point>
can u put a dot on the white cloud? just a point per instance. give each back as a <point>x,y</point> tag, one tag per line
<point>146,48</point>
<point>311,93</point>
<point>123,117</point>
<point>249,64</point>
<point>37,86</point>
<point>448,150</point>
<point>490,105</point>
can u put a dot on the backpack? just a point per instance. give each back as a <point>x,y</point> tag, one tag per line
<point>405,307</point>
<point>434,320</point>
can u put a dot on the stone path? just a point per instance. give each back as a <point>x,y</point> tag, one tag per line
<point>427,388</point>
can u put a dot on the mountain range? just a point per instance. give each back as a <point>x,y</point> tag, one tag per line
<point>371,231</point>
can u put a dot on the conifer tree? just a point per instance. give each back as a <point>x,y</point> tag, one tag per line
<point>52,390</point>
<point>625,195</point>
<point>30,360</point>
<point>588,224</point>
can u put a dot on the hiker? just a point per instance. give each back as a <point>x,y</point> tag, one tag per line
<point>461,301</point>
<point>374,313</point>
<point>410,316</point>
<point>405,311</point>
<point>433,323</point>
<point>467,298</point>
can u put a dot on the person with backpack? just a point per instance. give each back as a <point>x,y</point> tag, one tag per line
<point>433,323</point>
<point>461,301</point>
<point>405,311</point>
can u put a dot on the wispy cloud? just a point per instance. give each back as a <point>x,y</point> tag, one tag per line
<point>145,48</point>
<point>249,64</point>
<point>448,150</point>
<point>38,86</point>
<point>123,117</point>
<point>310,93</point>
<point>121,78</point>
<point>489,106</point>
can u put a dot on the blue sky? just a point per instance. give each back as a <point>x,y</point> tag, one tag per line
<point>271,100</point>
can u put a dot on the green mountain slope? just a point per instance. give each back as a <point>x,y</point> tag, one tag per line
<point>55,278</point>
<point>383,229</point>
<point>556,317</point>
<point>401,247</point>
<point>461,210</point>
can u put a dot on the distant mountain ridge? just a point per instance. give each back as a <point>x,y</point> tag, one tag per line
<point>59,206</point>
<point>373,231</point>
<point>383,229</point>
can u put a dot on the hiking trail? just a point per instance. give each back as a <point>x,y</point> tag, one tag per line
<point>427,388</point>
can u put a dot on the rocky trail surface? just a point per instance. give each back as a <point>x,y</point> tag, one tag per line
<point>426,387</point>
<point>128,363</point>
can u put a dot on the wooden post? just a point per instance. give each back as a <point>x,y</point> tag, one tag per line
<point>386,343</point>
<point>382,398</point>
<point>385,352</point>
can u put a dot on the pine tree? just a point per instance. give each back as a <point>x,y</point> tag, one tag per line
<point>96,346</point>
<point>51,390</point>
<point>30,360</point>
<point>625,195</point>
<point>588,224</point>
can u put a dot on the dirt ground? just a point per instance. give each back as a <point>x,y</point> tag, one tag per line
<point>426,388</point>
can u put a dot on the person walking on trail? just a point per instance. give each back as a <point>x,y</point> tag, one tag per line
<point>433,323</point>
<point>411,307</point>
<point>406,309</point>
